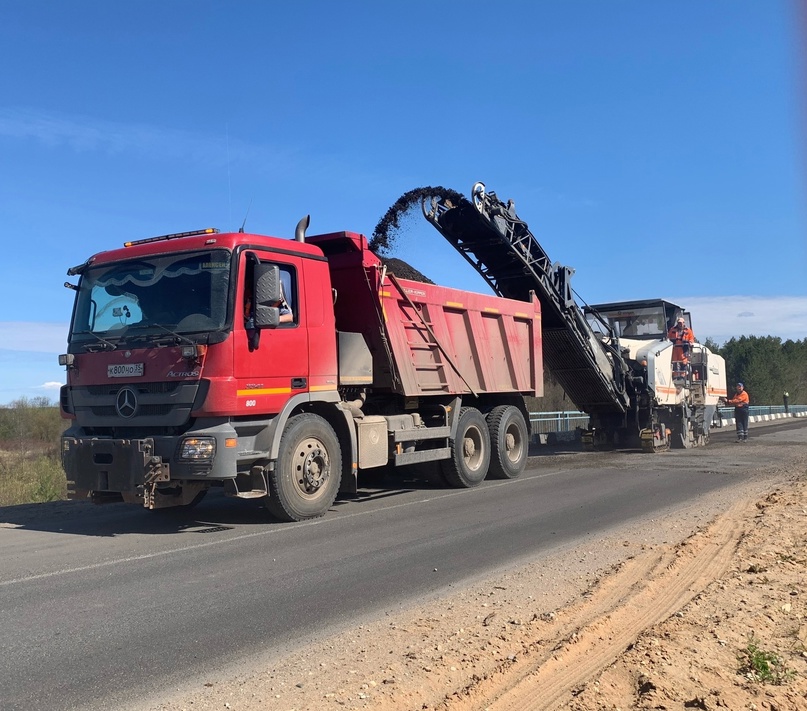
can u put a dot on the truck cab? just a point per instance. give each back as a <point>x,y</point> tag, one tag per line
<point>176,344</point>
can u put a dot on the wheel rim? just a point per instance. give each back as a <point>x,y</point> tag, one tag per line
<point>513,443</point>
<point>312,467</point>
<point>473,451</point>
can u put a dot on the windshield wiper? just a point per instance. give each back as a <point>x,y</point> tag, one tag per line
<point>178,336</point>
<point>102,344</point>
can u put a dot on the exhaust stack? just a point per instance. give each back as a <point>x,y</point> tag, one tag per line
<point>302,226</point>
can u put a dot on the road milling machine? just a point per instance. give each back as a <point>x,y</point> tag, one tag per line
<point>614,361</point>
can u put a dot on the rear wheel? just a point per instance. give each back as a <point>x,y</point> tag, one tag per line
<point>509,442</point>
<point>470,451</point>
<point>306,477</point>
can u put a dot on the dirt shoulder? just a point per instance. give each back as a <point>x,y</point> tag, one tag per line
<point>657,615</point>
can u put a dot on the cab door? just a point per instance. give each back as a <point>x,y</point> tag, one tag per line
<point>270,364</point>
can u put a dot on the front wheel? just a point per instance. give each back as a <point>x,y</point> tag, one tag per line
<point>306,477</point>
<point>470,451</point>
<point>509,442</point>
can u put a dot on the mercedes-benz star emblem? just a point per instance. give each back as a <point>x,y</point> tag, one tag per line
<point>126,402</point>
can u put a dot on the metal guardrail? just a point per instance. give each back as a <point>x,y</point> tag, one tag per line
<point>757,410</point>
<point>568,420</point>
<point>557,421</point>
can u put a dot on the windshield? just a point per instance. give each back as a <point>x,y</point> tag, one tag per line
<point>171,293</point>
<point>643,322</point>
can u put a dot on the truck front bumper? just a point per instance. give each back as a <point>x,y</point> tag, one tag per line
<point>119,465</point>
<point>127,465</point>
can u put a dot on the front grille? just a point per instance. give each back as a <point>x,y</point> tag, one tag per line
<point>142,411</point>
<point>160,388</point>
<point>158,404</point>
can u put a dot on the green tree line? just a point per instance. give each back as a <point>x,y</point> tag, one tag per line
<point>767,366</point>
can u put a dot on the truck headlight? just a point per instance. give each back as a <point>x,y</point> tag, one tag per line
<point>197,448</point>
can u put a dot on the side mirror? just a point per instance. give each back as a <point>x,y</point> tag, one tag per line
<point>268,291</point>
<point>267,317</point>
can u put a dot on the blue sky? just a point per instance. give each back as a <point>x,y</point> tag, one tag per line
<point>656,147</point>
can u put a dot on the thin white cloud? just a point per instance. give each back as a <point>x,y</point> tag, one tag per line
<point>724,317</point>
<point>29,373</point>
<point>88,134</point>
<point>33,337</point>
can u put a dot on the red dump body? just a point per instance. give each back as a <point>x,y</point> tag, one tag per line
<point>432,340</point>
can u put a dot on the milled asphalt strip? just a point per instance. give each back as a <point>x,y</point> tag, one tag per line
<point>278,531</point>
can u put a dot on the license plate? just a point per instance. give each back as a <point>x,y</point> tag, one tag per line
<point>124,370</point>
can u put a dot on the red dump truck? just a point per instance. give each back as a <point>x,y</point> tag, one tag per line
<point>283,369</point>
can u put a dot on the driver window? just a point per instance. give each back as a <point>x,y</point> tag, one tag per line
<point>287,303</point>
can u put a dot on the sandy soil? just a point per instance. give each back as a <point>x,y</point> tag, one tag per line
<point>659,615</point>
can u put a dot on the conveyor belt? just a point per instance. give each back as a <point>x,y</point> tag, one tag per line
<point>500,246</point>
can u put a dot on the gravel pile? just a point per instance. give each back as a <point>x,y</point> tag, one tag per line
<point>402,270</point>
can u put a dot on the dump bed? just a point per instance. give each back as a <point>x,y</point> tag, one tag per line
<point>432,340</point>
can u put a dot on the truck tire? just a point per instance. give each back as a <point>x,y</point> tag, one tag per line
<point>306,477</point>
<point>509,442</point>
<point>470,451</point>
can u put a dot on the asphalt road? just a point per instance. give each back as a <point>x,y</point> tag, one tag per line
<point>100,606</point>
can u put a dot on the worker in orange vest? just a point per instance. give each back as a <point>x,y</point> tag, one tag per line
<point>682,337</point>
<point>741,402</point>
